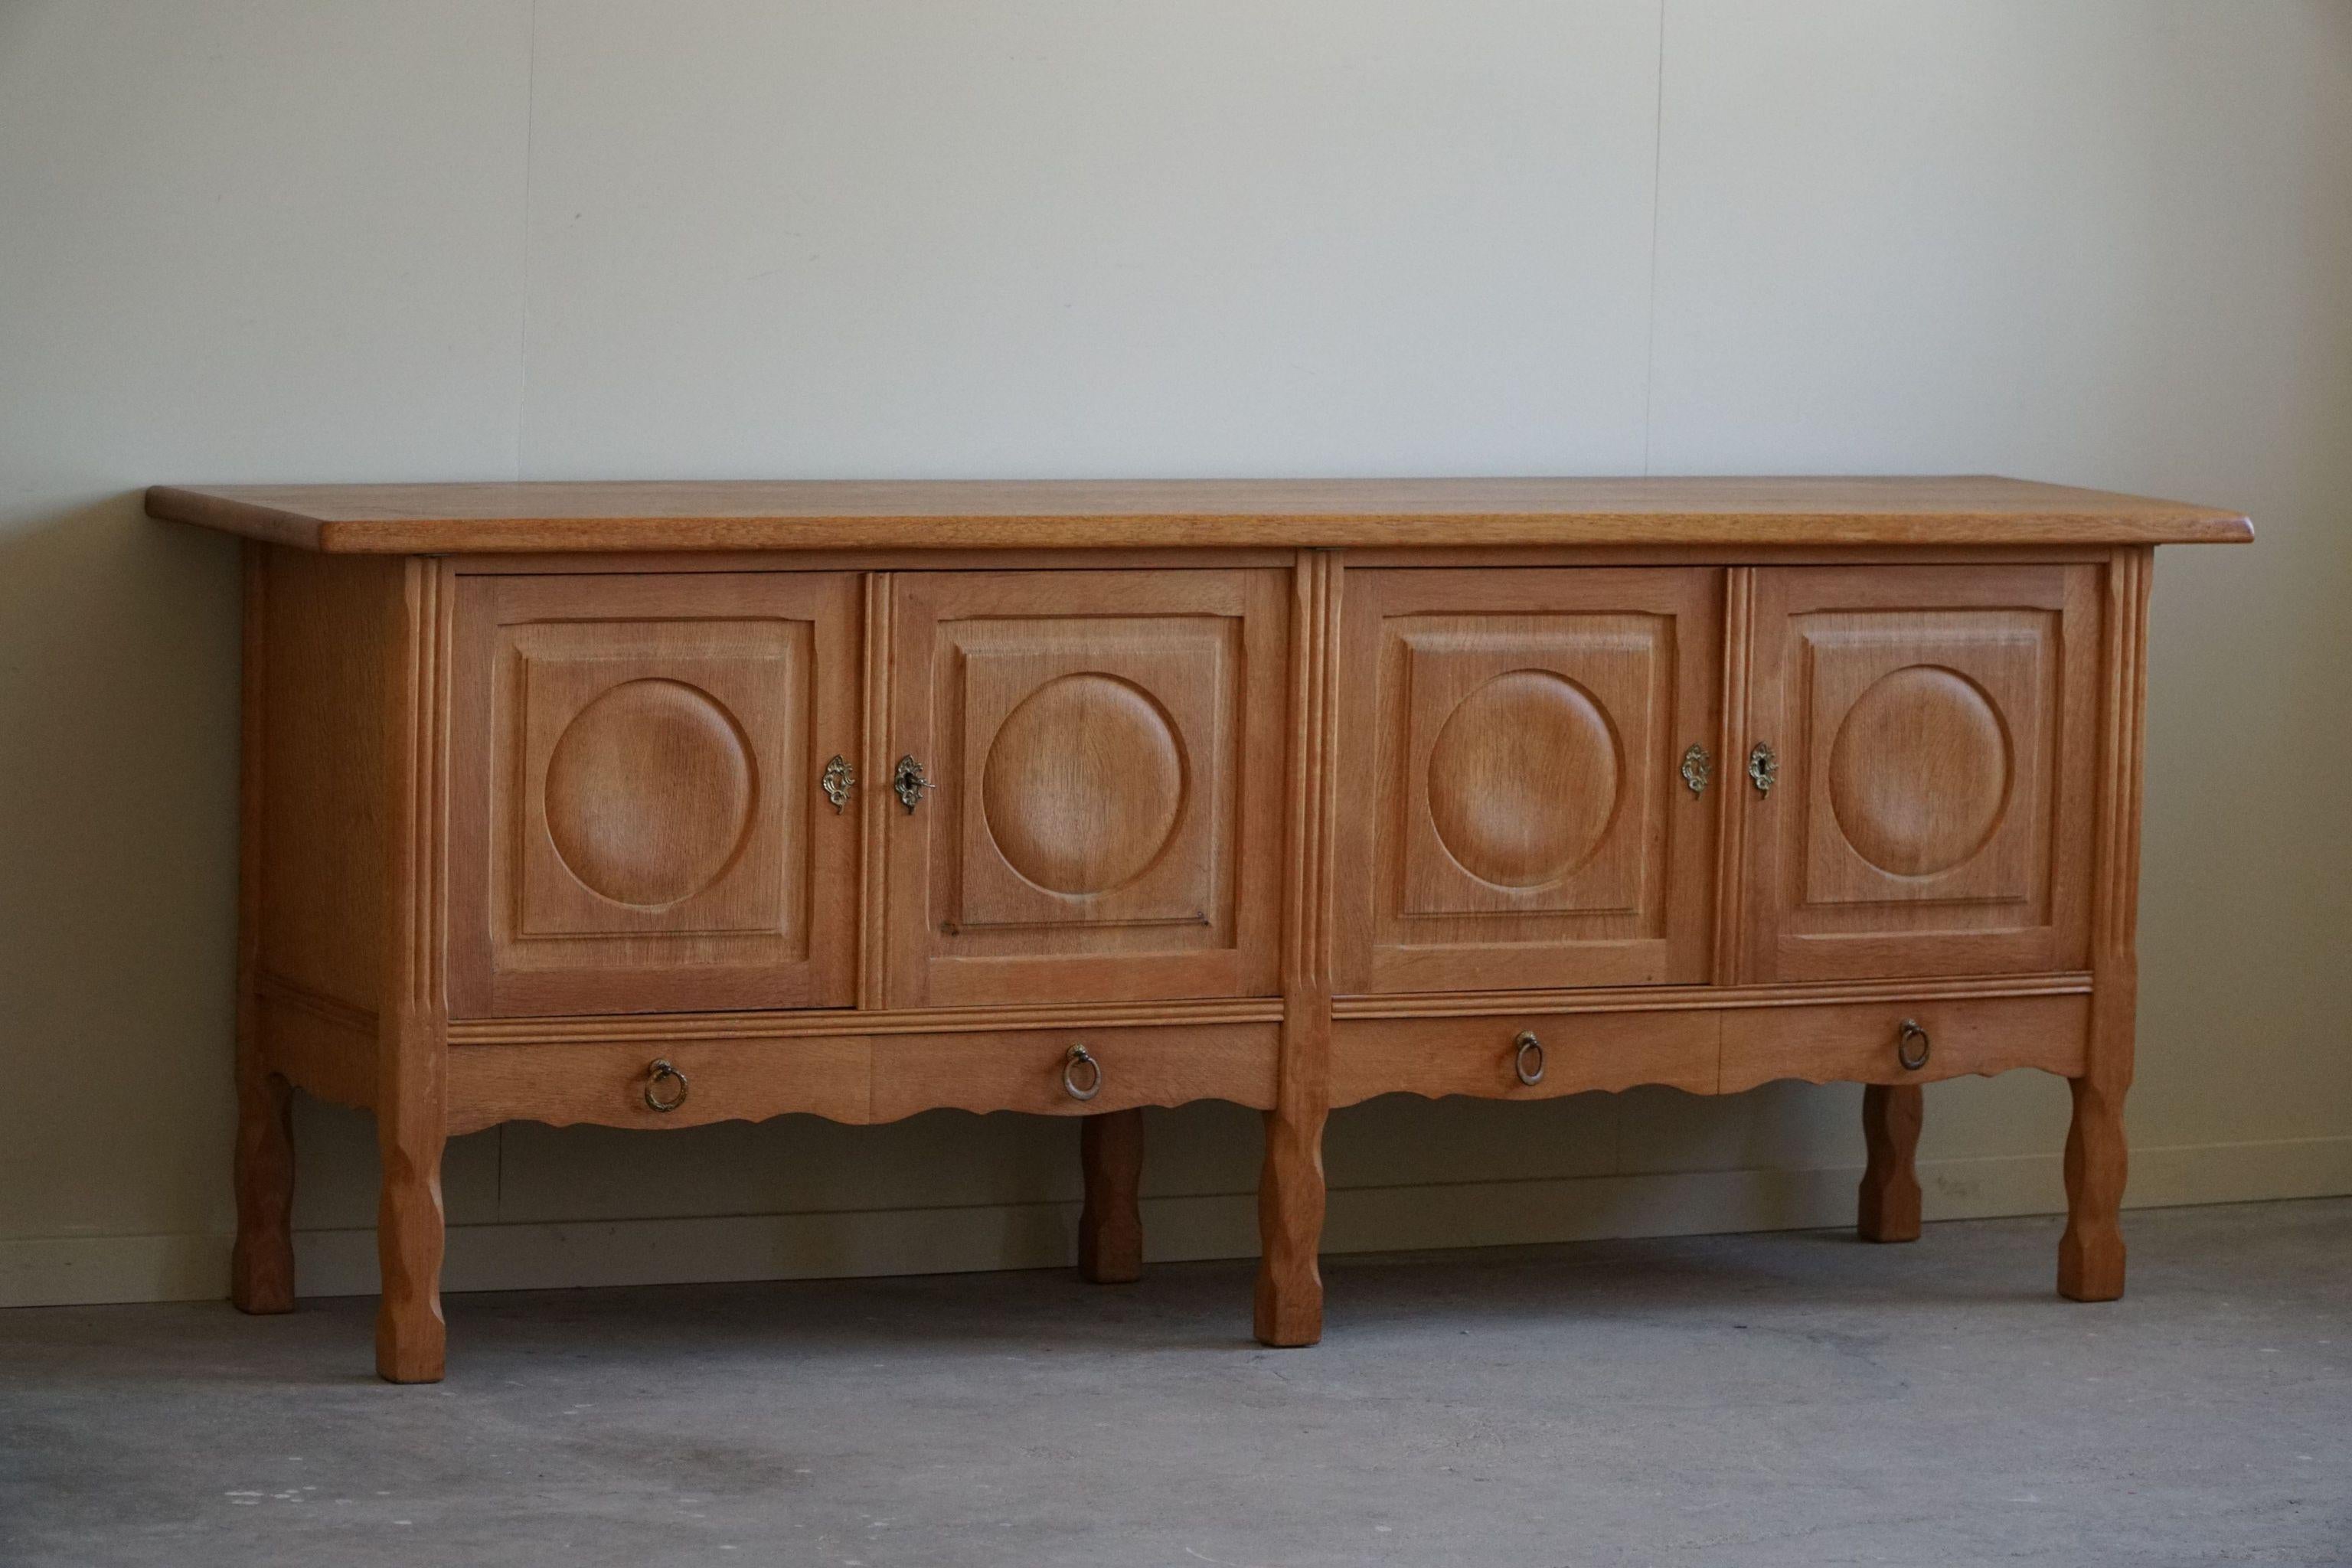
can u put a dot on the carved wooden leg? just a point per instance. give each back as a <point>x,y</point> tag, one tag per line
<point>411,1112</point>
<point>1888,1209</point>
<point>1290,1228</point>
<point>2091,1253</point>
<point>261,1266</point>
<point>1111,1226</point>
<point>411,1338</point>
<point>1290,1193</point>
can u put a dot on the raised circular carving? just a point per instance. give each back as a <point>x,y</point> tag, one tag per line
<point>1524,779</point>
<point>649,792</point>
<point>1920,770</point>
<point>1083,784</point>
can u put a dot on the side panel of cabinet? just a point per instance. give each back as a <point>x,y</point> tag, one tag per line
<point>635,817</point>
<point>1106,751</point>
<point>1935,735</point>
<point>1513,808</point>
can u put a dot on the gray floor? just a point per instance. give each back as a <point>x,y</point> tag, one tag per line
<point>1739,1400</point>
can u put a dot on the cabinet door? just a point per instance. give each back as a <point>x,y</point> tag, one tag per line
<point>1513,810</point>
<point>1106,752</point>
<point>1933,739</point>
<point>637,818</point>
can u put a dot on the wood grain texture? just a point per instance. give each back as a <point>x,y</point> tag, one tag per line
<point>1159,766</point>
<point>1024,1071</point>
<point>1706,998</point>
<point>1932,809</point>
<point>1105,751</point>
<point>872,799</point>
<point>261,1263</point>
<point>854,1076</point>
<point>325,773</point>
<point>1291,1196</point>
<point>1887,1206</point>
<point>871,562</point>
<point>1511,812</point>
<point>1291,1202</point>
<point>603,1082</point>
<point>1110,1223</point>
<point>451,519</point>
<point>1453,558</point>
<point>1856,1043</point>
<point>672,1027</point>
<point>1478,1055</point>
<point>326,1048</point>
<point>1728,956</point>
<point>412,1066</point>
<point>2091,1251</point>
<point>410,1336</point>
<point>637,820</point>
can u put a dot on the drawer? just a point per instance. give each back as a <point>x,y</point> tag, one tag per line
<point>858,1079</point>
<point>1033,1070</point>
<point>606,1081</point>
<point>1863,1042</point>
<point>1481,1055</point>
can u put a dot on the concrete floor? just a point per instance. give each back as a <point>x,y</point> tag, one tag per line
<point>1798,1399</point>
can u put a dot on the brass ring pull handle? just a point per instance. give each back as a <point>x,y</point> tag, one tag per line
<point>1080,1056</point>
<point>1698,768</point>
<point>1528,1060</point>
<point>839,779</point>
<point>655,1074</point>
<point>908,781</point>
<point>1912,1045</point>
<point>1763,767</point>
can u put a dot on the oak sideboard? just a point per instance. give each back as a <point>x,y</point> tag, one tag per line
<point>657,805</point>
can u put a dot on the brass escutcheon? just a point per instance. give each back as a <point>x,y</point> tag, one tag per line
<point>839,779</point>
<point>1698,768</point>
<point>908,781</point>
<point>1763,767</point>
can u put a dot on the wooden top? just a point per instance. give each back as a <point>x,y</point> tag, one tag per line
<point>804,514</point>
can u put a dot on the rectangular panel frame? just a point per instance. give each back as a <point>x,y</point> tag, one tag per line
<point>1678,870</point>
<point>1889,936</point>
<point>807,958</point>
<point>1228,949</point>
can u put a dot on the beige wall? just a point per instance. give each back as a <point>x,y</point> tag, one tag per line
<point>2108,244</point>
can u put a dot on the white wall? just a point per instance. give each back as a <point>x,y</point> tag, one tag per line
<point>2100,243</point>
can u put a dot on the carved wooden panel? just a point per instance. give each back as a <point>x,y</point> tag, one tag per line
<point>635,818</point>
<point>1513,811</point>
<point>1106,752</point>
<point>1931,812</point>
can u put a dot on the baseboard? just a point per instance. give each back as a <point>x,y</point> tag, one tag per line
<point>79,1270</point>
<point>60,1271</point>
